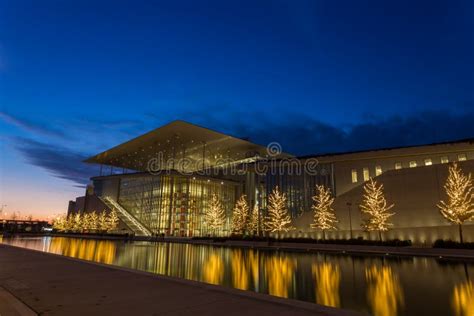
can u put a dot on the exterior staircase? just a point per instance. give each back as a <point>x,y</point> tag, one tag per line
<point>126,217</point>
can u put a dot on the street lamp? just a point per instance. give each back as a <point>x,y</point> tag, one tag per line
<point>349,204</point>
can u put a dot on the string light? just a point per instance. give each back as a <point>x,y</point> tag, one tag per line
<point>460,205</point>
<point>278,219</point>
<point>375,205</point>
<point>214,216</point>
<point>254,225</point>
<point>324,216</point>
<point>240,216</point>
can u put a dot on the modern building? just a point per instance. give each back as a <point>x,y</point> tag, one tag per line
<point>161,183</point>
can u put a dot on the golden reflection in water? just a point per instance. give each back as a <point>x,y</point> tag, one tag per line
<point>384,292</point>
<point>213,271</point>
<point>279,271</point>
<point>102,251</point>
<point>327,278</point>
<point>254,267</point>
<point>240,270</point>
<point>463,299</point>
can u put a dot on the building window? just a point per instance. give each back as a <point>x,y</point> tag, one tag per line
<point>366,174</point>
<point>378,170</point>
<point>462,157</point>
<point>398,165</point>
<point>354,175</point>
<point>444,159</point>
<point>428,162</point>
<point>412,164</point>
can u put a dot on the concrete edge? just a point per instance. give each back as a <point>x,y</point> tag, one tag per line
<point>341,249</point>
<point>15,303</point>
<point>319,309</point>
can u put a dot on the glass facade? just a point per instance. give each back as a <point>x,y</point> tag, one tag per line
<point>298,188</point>
<point>174,204</point>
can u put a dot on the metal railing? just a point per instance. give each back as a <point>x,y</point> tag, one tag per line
<point>142,229</point>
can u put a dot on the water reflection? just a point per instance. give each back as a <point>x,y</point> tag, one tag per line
<point>327,277</point>
<point>102,251</point>
<point>384,292</point>
<point>463,299</point>
<point>240,270</point>
<point>213,269</point>
<point>364,284</point>
<point>279,270</point>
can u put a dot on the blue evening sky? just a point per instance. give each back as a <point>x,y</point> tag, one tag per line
<point>77,77</point>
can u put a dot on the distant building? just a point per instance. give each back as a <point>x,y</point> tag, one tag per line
<point>161,182</point>
<point>23,226</point>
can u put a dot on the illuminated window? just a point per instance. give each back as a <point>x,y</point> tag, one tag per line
<point>462,157</point>
<point>444,159</point>
<point>428,162</point>
<point>366,175</point>
<point>354,175</point>
<point>398,165</point>
<point>378,170</point>
<point>412,164</point>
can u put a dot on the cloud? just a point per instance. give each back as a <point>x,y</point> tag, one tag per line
<point>59,161</point>
<point>94,123</point>
<point>298,134</point>
<point>302,135</point>
<point>43,129</point>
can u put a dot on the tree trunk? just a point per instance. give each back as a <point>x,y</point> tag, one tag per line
<point>324,235</point>
<point>460,233</point>
<point>380,235</point>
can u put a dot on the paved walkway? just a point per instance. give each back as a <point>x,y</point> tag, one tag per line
<point>54,285</point>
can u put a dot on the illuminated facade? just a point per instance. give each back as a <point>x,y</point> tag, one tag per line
<point>161,183</point>
<point>169,204</point>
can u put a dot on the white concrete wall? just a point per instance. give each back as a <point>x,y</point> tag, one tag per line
<point>343,164</point>
<point>415,193</point>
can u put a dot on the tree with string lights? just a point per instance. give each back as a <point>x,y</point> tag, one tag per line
<point>102,224</point>
<point>324,216</point>
<point>86,223</point>
<point>240,216</point>
<point>69,223</point>
<point>112,221</point>
<point>278,220</point>
<point>76,222</point>
<point>59,223</point>
<point>255,224</point>
<point>214,215</point>
<point>375,205</point>
<point>459,206</point>
<point>93,221</point>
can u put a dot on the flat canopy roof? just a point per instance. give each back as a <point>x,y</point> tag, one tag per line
<point>180,139</point>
